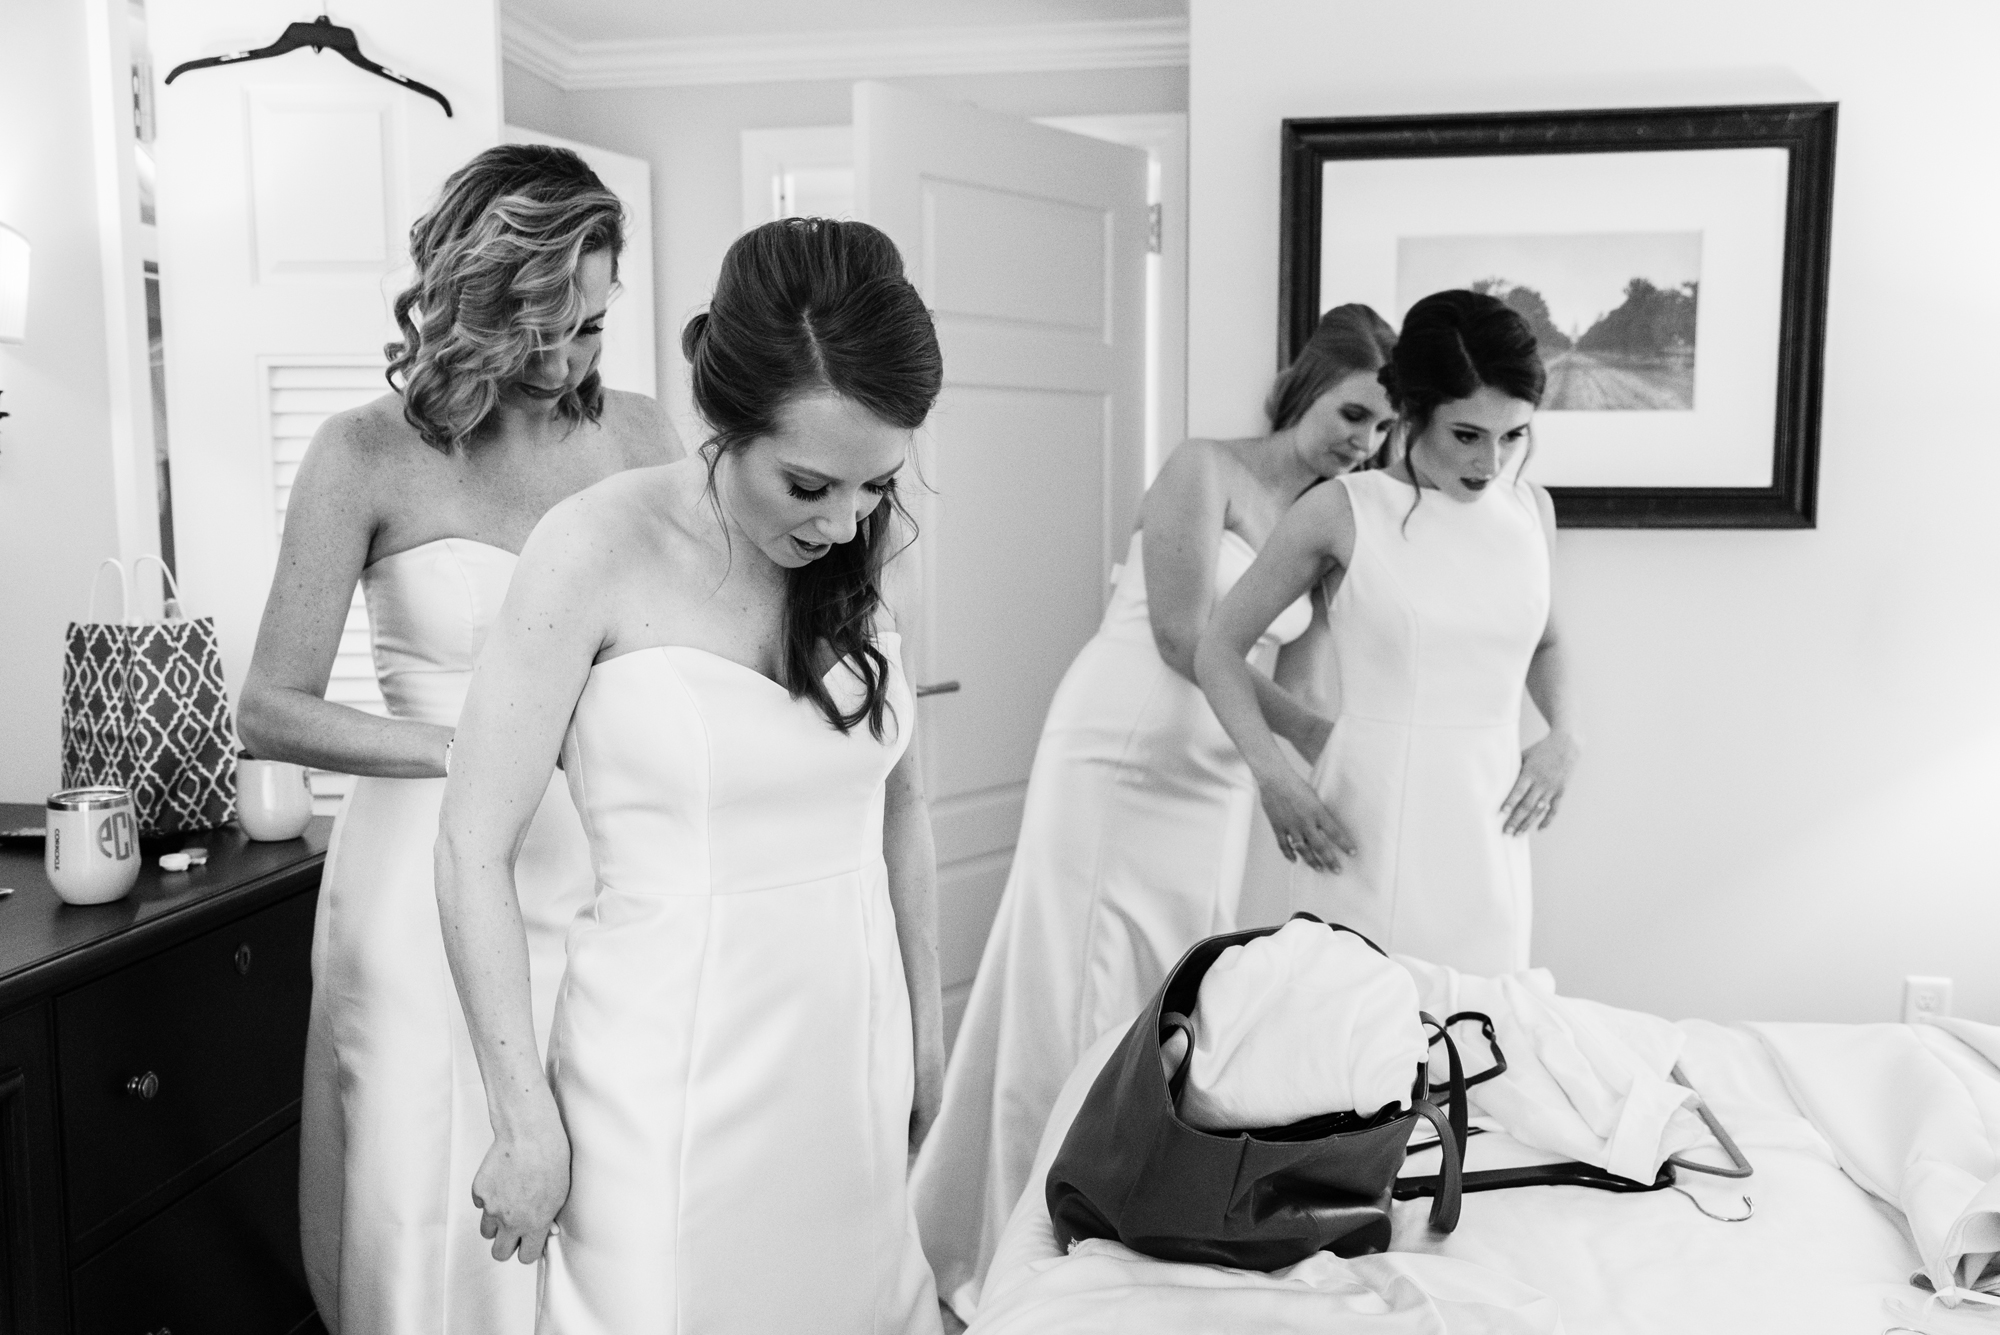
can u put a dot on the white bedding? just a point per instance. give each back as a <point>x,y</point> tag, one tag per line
<point>1819,1256</point>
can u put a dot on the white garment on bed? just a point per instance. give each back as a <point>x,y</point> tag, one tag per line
<point>1584,1080</point>
<point>1914,1113</point>
<point>1819,1256</point>
<point>1299,1023</point>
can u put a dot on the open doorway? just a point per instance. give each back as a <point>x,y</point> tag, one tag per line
<point>808,171</point>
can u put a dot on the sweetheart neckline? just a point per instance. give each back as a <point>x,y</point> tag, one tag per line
<point>764,677</point>
<point>476,542</point>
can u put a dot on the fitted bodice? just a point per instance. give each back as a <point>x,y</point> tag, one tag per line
<point>697,775</point>
<point>1436,619</point>
<point>429,610</point>
<point>1128,616</point>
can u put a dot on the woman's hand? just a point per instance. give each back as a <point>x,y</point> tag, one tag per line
<point>1306,828</point>
<point>1545,769</point>
<point>929,1096</point>
<point>521,1187</point>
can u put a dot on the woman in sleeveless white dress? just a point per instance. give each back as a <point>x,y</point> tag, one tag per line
<point>748,1037</point>
<point>1139,810</point>
<point>394,1119</point>
<point>1411,827</point>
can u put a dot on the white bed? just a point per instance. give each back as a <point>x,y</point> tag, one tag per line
<point>1819,1254</point>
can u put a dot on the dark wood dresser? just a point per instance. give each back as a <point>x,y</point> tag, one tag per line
<point>151,1054</point>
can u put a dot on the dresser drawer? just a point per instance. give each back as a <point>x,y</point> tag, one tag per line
<point>169,1060</point>
<point>224,1259</point>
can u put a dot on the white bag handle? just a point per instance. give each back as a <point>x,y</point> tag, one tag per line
<point>124,590</point>
<point>171,610</point>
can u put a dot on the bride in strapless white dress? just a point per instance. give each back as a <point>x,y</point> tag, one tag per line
<point>1139,810</point>
<point>747,1041</point>
<point>423,496</point>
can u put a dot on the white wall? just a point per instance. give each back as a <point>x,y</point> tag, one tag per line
<point>57,502</point>
<point>1792,793</point>
<point>692,136</point>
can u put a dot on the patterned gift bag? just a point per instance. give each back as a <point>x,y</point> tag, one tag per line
<point>145,708</point>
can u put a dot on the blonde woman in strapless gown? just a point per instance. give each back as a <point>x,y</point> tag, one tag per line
<point>424,496</point>
<point>1139,810</point>
<point>747,1042</point>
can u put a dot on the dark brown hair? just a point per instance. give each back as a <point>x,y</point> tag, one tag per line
<point>802,306</point>
<point>496,282</point>
<point>1453,345</point>
<point>1348,339</point>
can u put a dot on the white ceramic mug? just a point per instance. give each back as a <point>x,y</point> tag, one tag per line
<point>273,798</point>
<point>91,850</point>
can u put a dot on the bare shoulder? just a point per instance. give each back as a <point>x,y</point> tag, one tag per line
<point>1197,471</point>
<point>362,458</point>
<point>641,428</point>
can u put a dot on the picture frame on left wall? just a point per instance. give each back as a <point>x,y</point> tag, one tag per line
<point>1671,261</point>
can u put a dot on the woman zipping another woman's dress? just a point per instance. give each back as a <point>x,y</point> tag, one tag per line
<point>1412,828</point>
<point>1139,809</point>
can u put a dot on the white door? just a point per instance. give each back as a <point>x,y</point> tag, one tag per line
<point>286,189</point>
<point>1029,245</point>
<point>628,362</point>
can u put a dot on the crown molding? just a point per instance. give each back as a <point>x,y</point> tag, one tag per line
<point>578,66</point>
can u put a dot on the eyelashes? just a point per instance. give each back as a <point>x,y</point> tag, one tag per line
<point>798,493</point>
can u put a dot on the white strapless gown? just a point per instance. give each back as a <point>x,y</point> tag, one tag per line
<point>394,1113</point>
<point>1132,849</point>
<point>1433,627</point>
<point>732,1045</point>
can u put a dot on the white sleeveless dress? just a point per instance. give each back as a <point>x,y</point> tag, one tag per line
<point>1132,849</point>
<point>732,1045</point>
<point>394,1114</point>
<point>1433,627</point>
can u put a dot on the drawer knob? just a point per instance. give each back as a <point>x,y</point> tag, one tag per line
<point>243,959</point>
<point>145,1086</point>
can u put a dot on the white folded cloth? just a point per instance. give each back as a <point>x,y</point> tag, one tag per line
<point>1584,1080</point>
<point>1302,1022</point>
<point>1913,1111</point>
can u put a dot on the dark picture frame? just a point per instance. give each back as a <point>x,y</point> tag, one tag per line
<point>1805,131</point>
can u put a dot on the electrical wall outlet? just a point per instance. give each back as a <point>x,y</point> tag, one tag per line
<point>1925,998</point>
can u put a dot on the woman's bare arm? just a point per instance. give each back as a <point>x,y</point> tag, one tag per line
<point>536,662</point>
<point>283,713</point>
<point>1183,517</point>
<point>1547,765</point>
<point>1315,534</point>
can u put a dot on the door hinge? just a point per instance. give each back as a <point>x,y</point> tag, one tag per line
<point>1153,225</point>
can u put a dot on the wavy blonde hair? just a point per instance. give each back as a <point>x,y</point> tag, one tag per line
<point>497,281</point>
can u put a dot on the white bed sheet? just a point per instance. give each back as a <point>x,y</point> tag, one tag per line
<point>1819,1256</point>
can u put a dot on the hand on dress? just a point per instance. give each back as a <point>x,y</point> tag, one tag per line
<point>929,1096</point>
<point>521,1186</point>
<point>1306,828</point>
<point>1545,768</point>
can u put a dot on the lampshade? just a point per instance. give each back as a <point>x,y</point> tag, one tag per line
<point>13,285</point>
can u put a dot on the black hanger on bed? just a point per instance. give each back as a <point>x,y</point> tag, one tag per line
<point>322,34</point>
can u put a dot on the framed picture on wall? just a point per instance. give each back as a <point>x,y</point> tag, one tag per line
<point>1672,262</point>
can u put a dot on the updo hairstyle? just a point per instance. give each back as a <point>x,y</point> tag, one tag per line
<point>1454,344</point>
<point>496,282</point>
<point>804,306</point>
<point>1347,339</point>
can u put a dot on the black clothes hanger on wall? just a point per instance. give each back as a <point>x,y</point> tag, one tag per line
<point>322,34</point>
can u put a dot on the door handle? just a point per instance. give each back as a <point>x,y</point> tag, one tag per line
<point>938,688</point>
